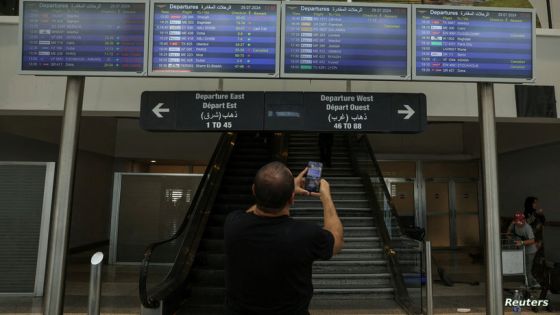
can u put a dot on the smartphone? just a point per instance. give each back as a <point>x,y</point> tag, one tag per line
<point>313,178</point>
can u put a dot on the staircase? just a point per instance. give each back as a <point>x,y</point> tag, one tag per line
<point>206,285</point>
<point>358,277</point>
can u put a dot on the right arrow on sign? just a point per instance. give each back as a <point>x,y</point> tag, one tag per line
<point>408,111</point>
<point>158,110</point>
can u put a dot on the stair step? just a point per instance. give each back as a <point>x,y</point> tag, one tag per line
<point>353,295</point>
<point>302,211</point>
<point>216,231</point>
<point>339,203</point>
<point>360,254</point>
<point>357,221</point>
<point>349,198</point>
<point>216,278</point>
<point>350,266</point>
<point>295,166</point>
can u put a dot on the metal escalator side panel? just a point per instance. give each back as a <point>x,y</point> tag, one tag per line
<point>191,229</point>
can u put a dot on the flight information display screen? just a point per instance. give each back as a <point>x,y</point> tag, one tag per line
<point>86,38</point>
<point>210,39</point>
<point>345,41</point>
<point>473,44</point>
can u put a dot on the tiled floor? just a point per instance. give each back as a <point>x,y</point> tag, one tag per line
<point>120,290</point>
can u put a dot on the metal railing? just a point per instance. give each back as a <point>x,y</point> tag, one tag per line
<point>190,230</point>
<point>398,247</point>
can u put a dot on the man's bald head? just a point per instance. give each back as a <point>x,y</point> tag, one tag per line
<point>273,187</point>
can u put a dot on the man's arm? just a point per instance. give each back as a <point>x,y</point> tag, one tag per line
<point>509,232</point>
<point>525,242</point>
<point>331,221</point>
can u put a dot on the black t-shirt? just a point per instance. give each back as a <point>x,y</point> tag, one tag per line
<point>268,263</point>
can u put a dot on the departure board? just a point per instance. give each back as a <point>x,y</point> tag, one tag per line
<point>345,41</point>
<point>84,38</point>
<point>231,39</point>
<point>471,44</point>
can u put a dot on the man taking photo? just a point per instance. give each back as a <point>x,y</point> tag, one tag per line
<point>269,255</point>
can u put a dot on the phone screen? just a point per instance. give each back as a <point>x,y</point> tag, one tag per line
<point>313,178</point>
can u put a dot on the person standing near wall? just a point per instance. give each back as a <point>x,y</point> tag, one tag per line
<point>541,270</point>
<point>523,235</point>
<point>535,217</point>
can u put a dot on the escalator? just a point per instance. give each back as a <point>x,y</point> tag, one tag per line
<point>206,286</point>
<point>365,275</point>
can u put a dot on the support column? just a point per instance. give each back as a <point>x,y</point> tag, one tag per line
<point>53,300</point>
<point>486,114</point>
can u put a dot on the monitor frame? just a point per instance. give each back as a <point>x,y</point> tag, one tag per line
<point>373,77</point>
<point>143,73</point>
<point>416,77</point>
<point>208,74</point>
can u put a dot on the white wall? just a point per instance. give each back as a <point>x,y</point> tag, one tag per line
<point>438,139</point>
<point>121,96</point>
<point>97,134</point>
<point>91,203</point>
<point>133,142</point>
<point>530,172</point>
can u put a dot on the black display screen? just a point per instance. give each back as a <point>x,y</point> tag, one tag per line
<point>98,37</point>
<point>206,38</point>
<point>345,40</point>
<point>474,43</point>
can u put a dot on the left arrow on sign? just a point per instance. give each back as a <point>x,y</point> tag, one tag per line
<point>158,110</point>
<point>408,111</point>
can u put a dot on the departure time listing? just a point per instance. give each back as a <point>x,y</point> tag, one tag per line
<point>346,39</point>
<point>473,43</point>
<point>83,36</point>
<point>222,38</point>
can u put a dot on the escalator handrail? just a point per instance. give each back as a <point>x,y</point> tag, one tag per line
<point>204,194</point>
<point>365,142</point>
<point>402,297</point>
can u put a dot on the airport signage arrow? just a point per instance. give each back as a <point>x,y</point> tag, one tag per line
<point>158,110</point>
<point>408,111</point>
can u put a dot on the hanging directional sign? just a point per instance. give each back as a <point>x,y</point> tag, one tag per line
<point>202,111</point>
<point>283,111</point>
<point>360,112</point>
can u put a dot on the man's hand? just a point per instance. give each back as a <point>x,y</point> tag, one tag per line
<point>518,243</point>
<point>299,182</point>
<point>324,190</point>
<point>252,209</point>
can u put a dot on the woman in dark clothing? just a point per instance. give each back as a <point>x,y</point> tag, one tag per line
<point>535,217</point>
